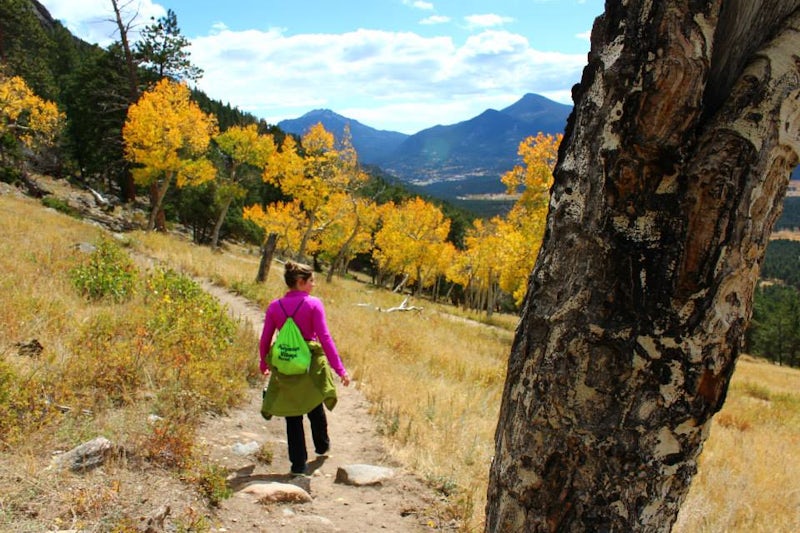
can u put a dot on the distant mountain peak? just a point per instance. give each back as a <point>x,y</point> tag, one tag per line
<point>322,112</point>
<point>449,161</point>
<point>371,144</point>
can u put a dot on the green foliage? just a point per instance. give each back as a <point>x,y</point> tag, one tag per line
<point>774,332</point>
<point>26,47</point>
<point>8,174</point>
<point>61,206</point>
<point>200,348</point>
<point>245,230</point>
<point>107,272</point>
<point>211,481</point>
<point>228,116</point>
<point>192,208</point>
<point>782,262</point>
<point>94,97</point>
<point>790,216</point>
<point>162,49</point>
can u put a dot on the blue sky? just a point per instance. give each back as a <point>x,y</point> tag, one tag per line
<point>400,65</point>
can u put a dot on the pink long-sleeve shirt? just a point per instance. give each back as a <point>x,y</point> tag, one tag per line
<point>310,319</point>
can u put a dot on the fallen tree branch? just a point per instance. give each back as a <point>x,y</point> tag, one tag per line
<point>402,307</point>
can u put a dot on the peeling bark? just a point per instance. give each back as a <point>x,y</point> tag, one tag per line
<point>619,363</point>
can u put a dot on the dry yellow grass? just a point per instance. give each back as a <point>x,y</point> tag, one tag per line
<point>435,380</point>
<point>96,371</point>
<point>223,267</point>
<point>749,473</point>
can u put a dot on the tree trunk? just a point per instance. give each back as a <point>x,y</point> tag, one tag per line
<point>418,289</point>
<point>157,195</point>
<point>670,177</point>
<point>128,187</point>
<point>267,251</point>
<point>301,251</point>
<point>340,261</point>
<point>220,220</point>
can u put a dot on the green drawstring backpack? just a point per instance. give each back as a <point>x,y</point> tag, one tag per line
<point>290,354</point>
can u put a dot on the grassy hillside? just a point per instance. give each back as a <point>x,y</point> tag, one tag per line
<point>434,380</point>
<point>92,345</point>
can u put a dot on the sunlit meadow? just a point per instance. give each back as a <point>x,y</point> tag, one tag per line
<point>433,377</point>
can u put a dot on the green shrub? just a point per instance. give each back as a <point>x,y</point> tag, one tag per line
<point>8,174</point>
<point>108,272</point>
<point>61,206</point>
<point>200,348</point>
<point>22,406</point>
<point>211,481</point>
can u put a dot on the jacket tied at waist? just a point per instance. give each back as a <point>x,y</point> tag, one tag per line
<point>298,394</point>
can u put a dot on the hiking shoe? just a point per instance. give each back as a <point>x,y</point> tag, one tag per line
<point>326,453</point>
<point>300,473</point>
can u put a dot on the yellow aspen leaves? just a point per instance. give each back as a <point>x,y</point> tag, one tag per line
<point>286,219</point>
<point>535,175</point>
<point>476,267</point>
<point>522,230</point>
<point>30,119</point>
<point>350,223</point>
<point>411,239</point>
<point>244,145</point>
<point>316,174</point>
<point>166,136</point>
<point>327,217</point>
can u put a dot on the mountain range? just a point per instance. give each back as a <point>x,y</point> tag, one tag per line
<point>453,161</point>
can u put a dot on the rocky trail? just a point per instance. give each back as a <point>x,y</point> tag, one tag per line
<point>399,501</point>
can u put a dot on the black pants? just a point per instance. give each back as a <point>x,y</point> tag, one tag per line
<point>297,437</point>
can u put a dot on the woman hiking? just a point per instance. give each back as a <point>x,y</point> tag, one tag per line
<point>293,396</point>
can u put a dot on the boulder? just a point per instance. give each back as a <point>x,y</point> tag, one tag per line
<point>273,492</point>
<point>87,456</point>
<point>360,475</point>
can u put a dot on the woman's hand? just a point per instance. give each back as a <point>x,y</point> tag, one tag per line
<point>345,379</point>
<point>263,366</point>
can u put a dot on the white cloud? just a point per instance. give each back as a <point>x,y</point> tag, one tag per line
<point>435,19</point>
<point>389,80</point>
<point>94,20</point>
<point>488,20</point>
<point>398,81</point>
<point>419,4</point>
<point>584,36</point>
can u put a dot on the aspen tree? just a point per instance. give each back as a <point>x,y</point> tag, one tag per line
<point>242,145</point>
<point>166,136</point>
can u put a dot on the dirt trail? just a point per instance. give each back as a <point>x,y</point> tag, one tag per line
<point>403,503</point>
